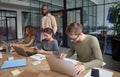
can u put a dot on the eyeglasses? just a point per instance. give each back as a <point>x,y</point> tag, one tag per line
<point>74,39</point>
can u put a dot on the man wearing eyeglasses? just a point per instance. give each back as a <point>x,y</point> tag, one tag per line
<point>86,47</point>
<point>47,21</point>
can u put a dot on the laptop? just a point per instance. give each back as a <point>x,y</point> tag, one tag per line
<point>4,42</point>
<point>3,45</point>
<point>21,51</point>
<point>61,66</point>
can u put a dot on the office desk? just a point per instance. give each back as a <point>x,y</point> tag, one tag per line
<point>43,68</point>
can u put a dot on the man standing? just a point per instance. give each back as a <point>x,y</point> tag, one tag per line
<point>47,21</point>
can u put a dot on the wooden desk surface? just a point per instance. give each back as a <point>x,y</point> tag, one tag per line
<point>43,68</point>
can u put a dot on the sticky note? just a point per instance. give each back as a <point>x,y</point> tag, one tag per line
<point>0,55</point>
<point>15,72</point>
<point>36,62</point>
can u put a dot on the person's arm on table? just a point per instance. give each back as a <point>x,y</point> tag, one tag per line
<point>20,41</point>
<point>27,44</point>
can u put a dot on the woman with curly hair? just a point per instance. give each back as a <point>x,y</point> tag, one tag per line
<point>29,37</point>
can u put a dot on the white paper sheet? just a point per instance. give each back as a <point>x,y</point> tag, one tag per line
<point>1,48</point>
<point>38,56</point>
<point>71,60</point>
<point>1,55</point>
<point>102,73</point>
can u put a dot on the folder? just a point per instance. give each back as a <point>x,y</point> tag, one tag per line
<point>13,63</point>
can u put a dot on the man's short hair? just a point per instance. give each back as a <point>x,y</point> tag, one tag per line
<point>74,29</point>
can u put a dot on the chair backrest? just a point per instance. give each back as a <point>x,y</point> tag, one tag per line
<point>37,36</point>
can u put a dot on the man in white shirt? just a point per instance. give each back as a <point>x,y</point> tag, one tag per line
<point>47,21</point>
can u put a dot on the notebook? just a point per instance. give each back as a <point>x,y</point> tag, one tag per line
<point>13,63</point>
<point>21,51</point>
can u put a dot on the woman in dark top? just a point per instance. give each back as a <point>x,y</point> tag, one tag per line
<point>29,37</point>
<point>49,44</point>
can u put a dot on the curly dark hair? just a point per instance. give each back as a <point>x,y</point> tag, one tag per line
<point>31,30</point>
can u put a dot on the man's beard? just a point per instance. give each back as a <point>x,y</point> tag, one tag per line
<point>44,13</point>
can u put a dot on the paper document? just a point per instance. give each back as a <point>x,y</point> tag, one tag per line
<point>0,55</point>
<point>1,48</point>
<point>10,58</point>
<point>71,60</point>
<point>13,63</point>
<point>38,56</point>
<point>102,73</point>
<point>15,72</point>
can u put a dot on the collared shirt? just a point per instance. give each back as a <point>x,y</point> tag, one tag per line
<point>43,22</point>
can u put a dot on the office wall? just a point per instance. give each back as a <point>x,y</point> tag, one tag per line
<point>19,24</point>
<point>19,19</point>
<point>102,15</point>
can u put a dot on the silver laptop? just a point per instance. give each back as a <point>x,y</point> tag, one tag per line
<point>21,51</point>
<point>61,66</point>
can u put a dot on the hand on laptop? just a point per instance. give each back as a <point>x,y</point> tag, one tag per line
<point>63,55</point>
<point>79,69</point>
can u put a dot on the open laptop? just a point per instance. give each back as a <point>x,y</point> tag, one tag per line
<point>61,66</point>
<point>3,45</point>
<point>21,51</point>
<point>4,42</point>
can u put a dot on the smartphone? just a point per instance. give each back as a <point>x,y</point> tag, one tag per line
<point>95,73</point>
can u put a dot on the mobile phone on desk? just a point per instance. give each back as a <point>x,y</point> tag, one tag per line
<point>95,72</point>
